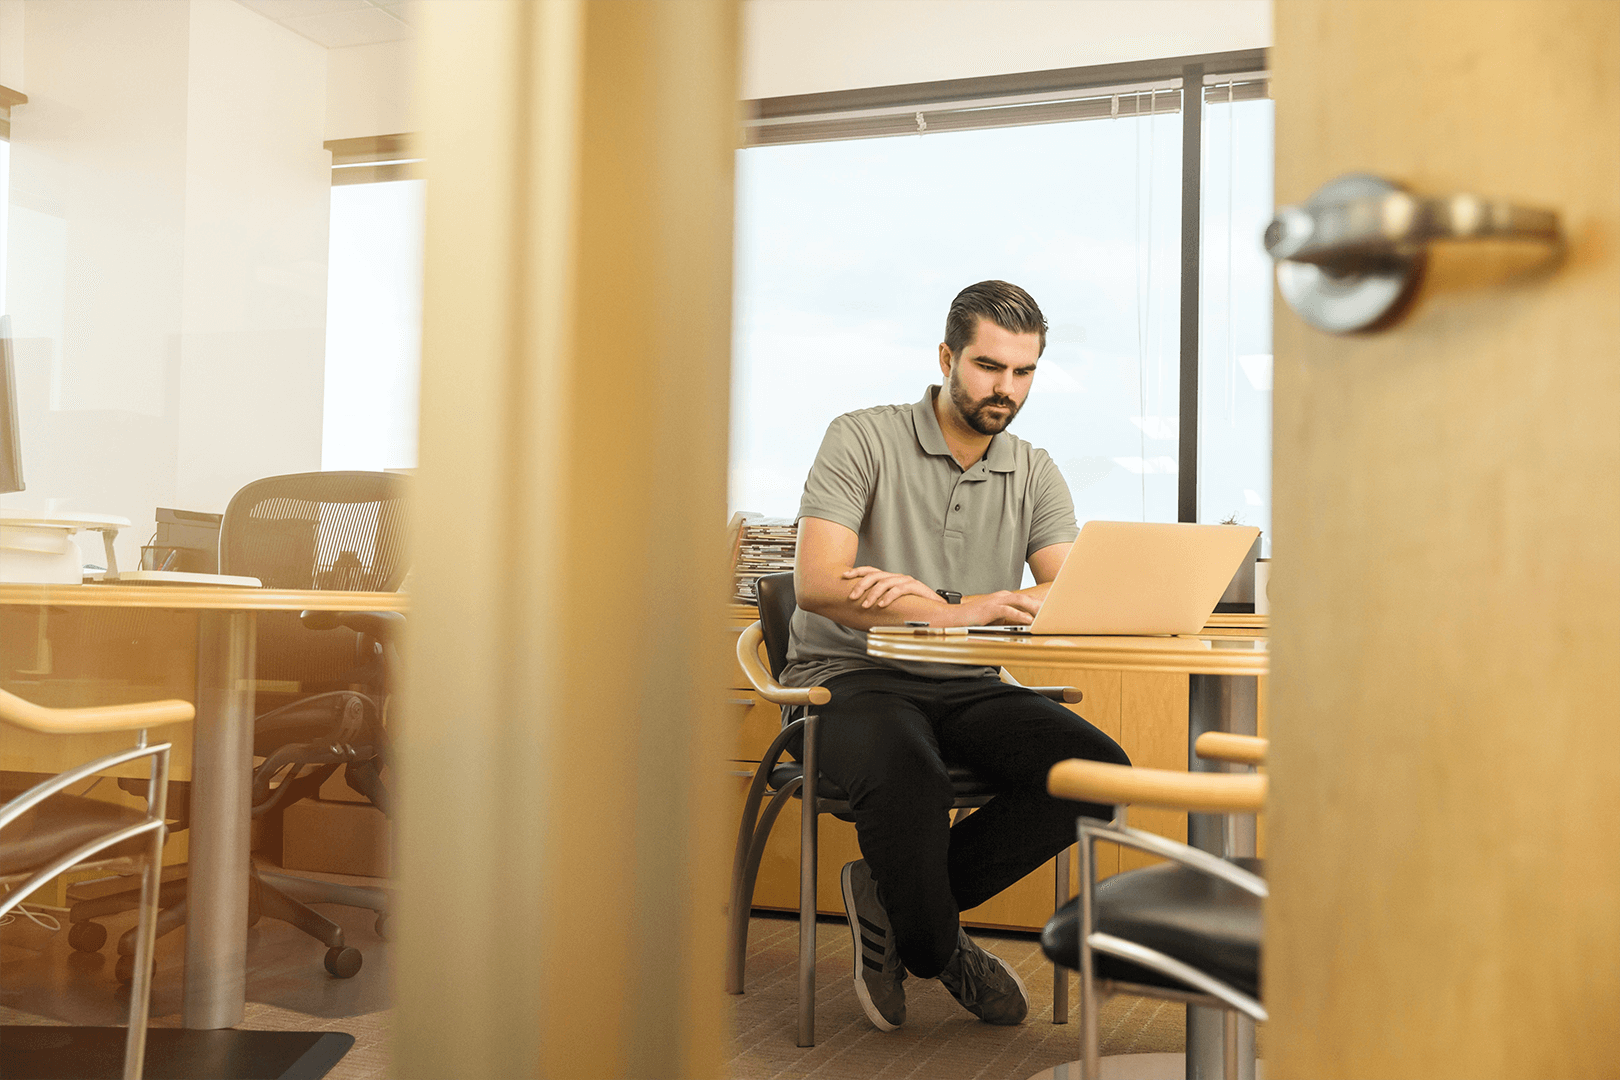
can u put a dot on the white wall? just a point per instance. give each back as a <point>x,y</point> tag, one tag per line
<point>11,44</point>
<point>167,255</point>
<point>258,195</point>
<point>804,46</point>
<point>368,89</point>
<point>807,46</point>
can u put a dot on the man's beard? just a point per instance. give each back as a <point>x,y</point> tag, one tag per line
<point>976,412</point>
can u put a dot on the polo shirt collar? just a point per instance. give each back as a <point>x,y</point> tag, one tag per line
<point>998,458</point>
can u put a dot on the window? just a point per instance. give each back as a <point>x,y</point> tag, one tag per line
<point>5,214</point>
<point>1234,394</point>
<point>860,214</point>
<point>848,255</point>
<point>8,98</point>
<point>373,307</point>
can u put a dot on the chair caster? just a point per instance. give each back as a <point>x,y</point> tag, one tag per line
<point>343,961</point>
<point>381,925</point>
<point>87,936</point>
<point>124,970</point>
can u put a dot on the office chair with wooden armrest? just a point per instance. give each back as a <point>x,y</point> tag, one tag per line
<point>784,780</point>
<point>45,832</point>
<point>1187,929</point>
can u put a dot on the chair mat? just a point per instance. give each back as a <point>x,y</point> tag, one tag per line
<point>90,1053</point>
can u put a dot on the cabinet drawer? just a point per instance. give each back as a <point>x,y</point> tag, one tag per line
<point>757,723</point>
<point>736,679</point>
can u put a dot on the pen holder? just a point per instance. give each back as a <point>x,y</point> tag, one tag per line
<point>154,557</point>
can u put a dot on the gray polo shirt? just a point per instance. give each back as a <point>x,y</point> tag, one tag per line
<point>886,474</point>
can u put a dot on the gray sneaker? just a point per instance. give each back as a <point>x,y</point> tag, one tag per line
<point>878,971</point>
<point>984,984</point>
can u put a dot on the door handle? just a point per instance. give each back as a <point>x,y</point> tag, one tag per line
<point>1350,258</point>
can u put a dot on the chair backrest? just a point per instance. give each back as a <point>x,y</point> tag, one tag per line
<point>777,603</point>
<point>320,530</point>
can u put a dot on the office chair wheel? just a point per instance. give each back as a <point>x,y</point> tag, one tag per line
<point>124,970</point>
<point>344,962</point>
<point>87,936</point>
<point>381,925</point>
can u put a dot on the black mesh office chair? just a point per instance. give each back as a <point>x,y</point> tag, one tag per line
<point>1188,929</point>
<point>782,780</point>
<point>323,680</point>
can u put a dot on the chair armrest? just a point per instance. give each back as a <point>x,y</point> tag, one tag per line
<point>1223,746</point>
<point>1202,793</point>
<point>93,719</point>
<point>383,626</point>
<point>1069,695</point>
<point>768,688</point>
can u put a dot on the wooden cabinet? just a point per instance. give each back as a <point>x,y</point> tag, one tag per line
<point>1145,713</point>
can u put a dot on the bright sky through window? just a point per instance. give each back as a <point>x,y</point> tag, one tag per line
<point>848,255</point>
<point>373,326</point>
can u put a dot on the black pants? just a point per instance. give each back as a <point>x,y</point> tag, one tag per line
<point>885,738</point>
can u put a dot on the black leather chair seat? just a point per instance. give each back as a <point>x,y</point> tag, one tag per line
<point>59,825</point>
<point>1202,921</point>
<point>965,782</point>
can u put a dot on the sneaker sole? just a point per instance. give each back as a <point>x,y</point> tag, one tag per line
<point>862,994</point>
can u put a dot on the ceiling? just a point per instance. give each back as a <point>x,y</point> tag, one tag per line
<point>338,24</point>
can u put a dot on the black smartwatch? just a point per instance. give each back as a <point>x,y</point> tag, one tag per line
<point>950,597</point>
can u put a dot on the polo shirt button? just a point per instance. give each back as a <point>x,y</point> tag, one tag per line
<point>958,506</point>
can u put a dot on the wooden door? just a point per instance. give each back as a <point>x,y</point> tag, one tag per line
<point>1445,821</point>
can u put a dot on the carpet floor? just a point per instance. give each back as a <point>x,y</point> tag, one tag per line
<point>940,1040</point>
<point>43,981</point>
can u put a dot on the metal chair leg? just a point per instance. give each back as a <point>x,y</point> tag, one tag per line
<point>310,891</point>
<point>1090,1036</point>
<point>140,997</point>
<point>752,833</point>
<point>808,813</point>
<point>737,938</point>
<point>742,889</point>
<point>1060,975</point>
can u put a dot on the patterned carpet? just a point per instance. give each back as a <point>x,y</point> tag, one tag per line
<point>940,1040</point>
<point>43,981</point>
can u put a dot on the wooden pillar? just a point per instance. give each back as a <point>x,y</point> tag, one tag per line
<point>562,847</point>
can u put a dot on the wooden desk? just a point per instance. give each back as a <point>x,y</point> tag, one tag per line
<point>1144,710</point>
<point>221,761</point>
<point>1222,664</point>
<point>1217,653</point>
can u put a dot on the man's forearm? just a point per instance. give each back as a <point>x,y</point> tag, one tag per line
<point>846,612</point>
<point>979,610</point>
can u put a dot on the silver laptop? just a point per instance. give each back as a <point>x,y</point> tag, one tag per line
<point>1133,577</point>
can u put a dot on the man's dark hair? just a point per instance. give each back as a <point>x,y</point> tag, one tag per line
<point>1004,304</point>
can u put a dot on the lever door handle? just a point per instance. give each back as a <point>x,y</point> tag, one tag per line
<point>1350,257</point>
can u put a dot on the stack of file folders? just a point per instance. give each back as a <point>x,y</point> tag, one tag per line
<point>765,546</point>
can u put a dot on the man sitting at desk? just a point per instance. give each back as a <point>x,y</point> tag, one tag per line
<point>929,512</point>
